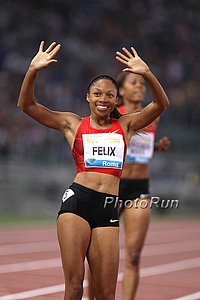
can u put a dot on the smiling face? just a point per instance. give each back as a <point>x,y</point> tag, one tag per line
<point>133,88</point>
<point>102,97</point>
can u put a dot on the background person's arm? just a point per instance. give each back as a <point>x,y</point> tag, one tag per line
<point>159,103</point>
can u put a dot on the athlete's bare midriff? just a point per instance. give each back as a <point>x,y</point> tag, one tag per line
<point>135,171</point>
<point>103,183</point>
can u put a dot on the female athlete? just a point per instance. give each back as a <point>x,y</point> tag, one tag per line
<point>86,226</point>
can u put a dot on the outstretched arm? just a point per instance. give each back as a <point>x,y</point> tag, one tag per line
<point>160,102</point>
<point>27,102</point>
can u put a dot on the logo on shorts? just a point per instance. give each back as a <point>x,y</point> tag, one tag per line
<point>113,221</point>
<point>67,194</point>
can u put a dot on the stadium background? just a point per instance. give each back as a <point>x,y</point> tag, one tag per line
<point>35,162</point>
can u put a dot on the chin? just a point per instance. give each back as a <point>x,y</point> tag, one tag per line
<point>138,99</point>
<point>99,113</point>
<point>102,113</point>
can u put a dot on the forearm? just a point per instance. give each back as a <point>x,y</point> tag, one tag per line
<point>159,96</point>
<point>26,96</point>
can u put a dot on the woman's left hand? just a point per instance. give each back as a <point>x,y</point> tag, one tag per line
<point>135,64</point>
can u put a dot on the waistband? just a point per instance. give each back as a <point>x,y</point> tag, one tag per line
<point>123,180</point>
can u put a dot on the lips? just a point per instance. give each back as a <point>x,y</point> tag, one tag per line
<point>139,94</point>
<point>102,107</point>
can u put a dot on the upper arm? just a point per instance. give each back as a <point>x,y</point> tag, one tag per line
<point>53,119</point>
<point>139,120</point>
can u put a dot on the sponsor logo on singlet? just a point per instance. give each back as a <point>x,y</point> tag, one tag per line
<point>103,150</point>
<point>140,148</point>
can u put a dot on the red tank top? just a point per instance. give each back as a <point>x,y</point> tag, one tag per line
<point>141,146</point>
<point>99,150</point>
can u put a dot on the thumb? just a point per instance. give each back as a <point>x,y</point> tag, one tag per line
<point>127,70</point>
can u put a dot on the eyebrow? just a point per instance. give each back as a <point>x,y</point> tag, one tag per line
<point>101,90</point>
<point>131,80</point>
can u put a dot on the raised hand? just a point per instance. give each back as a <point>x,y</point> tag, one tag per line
<point>133,61</point>
<point>45,58</point>
<point>163,144</point>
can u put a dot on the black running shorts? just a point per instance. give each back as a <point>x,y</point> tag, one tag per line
<point>131,189</point>
<point>96,208</point>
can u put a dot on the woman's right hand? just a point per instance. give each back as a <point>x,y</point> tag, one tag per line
<point>45,58</point>
<point>133,61</point>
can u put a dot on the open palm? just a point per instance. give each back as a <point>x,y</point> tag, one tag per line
<point>132,60</point>
<point>45,58</point>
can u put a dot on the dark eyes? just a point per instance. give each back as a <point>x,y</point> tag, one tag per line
<point>110,95</point>
<point>134,82</point>
<point>97,94</point>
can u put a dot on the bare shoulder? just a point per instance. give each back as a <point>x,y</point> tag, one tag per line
<point>71,124</point>
<point>70,121</point>
<point>126,120</point>
<point>71,116</point>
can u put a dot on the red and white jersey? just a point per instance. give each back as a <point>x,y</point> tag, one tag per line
<point>99,150</point>
<point>140,149</point>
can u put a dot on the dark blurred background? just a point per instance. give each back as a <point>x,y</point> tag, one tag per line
<point>35,162</point>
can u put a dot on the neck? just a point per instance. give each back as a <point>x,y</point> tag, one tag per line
<point>131,106</point>
<point>95,120</point>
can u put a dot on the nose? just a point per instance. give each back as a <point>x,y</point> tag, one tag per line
<point>103,99</point>
<point>138,83</point>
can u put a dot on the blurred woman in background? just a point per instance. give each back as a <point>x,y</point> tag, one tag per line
<point>134,183</point>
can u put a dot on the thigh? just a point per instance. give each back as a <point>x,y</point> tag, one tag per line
<point>74,236</point>
<point>136,222</point>
<point>103,258</point>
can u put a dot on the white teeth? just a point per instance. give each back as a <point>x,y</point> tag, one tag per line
<point>101,107</point>
<point>138,93</point>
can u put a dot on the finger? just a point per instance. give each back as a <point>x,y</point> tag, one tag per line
<point>134,51</point>
<point>52,61</point>
<point>166,142</point>
<point>121,60</point>
<point>165,138</point>
<point>55,50</point>
<point>50,47</point>
<point>160,141</point>
<point>41,46</point>
<point>127,52</point>
<point>122,56</point>
<point>128,70</point>
<point>168,145</point>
